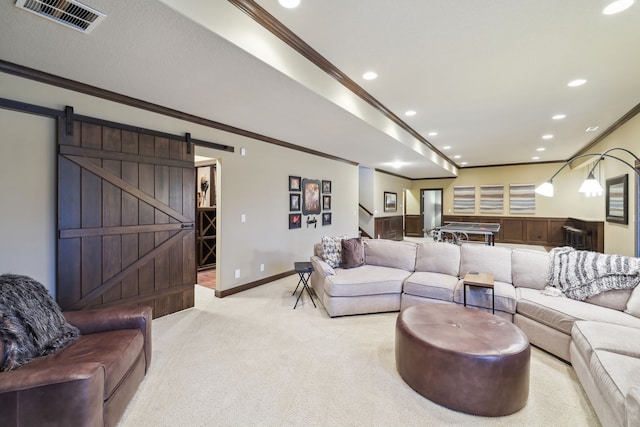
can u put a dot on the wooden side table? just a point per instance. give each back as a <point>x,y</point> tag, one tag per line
<point>480,280</point>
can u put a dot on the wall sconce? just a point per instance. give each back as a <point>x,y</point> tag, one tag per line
<point>591,186</point>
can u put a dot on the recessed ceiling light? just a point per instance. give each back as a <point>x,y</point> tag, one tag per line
<point>457,156</point>
<point>617,7</point>
<point>289,4</point>
<point>576,82</point>
<point>540,149</point>
<point>535,158</point>
<point>370,75</point>
<point>559,116</point>
<point>433,133</point>
<point>464,163</point>
<point>446,147</point>
<point>410,113</point>
<point>591,129</point>
<point>547,136</point>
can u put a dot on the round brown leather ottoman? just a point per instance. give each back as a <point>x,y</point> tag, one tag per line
<point>463,358</point>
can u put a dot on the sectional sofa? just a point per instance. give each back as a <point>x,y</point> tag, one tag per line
<point>600,336</point>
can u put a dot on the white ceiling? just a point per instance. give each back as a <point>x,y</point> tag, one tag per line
<point>487,76</point>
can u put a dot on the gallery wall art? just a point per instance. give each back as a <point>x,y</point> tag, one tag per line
<point>464,199</point>
<point>522,199</point>
<point>492,199</point>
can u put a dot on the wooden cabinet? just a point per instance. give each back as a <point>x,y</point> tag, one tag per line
<point>206,237</point>
<point>413,225</point>
<point>388,227</point>
<point>536,230</point>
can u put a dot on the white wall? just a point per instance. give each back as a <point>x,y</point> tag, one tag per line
<point>255,185</point>
<point>28,197</point>
<point>389,183</point>
<point>366,191</point>
<point>567,202</point>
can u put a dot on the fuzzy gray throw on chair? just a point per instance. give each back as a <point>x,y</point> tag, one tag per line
<point>583,274</point>
<point>31,323</point>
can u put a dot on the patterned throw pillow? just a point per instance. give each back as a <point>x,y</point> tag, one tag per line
<point>332,250</point>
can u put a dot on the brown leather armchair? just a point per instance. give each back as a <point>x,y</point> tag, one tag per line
<point>88,383</point>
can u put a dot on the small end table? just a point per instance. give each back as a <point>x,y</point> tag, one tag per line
<point>304,270</point>
<point>480,280</point>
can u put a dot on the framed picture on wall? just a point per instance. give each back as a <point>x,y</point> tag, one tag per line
<point>326,187</point>
<point>390,201</point>
<point>294,202</point>
<point>326,218</point>
<point>295,221</point>
<point>326,203</point>
<point>310,196</point>
<point>617,201</point>
<point>294,183</point>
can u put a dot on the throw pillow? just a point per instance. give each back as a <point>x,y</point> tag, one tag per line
<point>633,305</point>
<point>31,323</point>
<point>332,250</point>
<point>352,253</point>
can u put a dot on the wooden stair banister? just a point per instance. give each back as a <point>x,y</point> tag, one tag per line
<point>365,209</point>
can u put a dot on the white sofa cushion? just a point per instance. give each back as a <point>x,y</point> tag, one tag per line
<point>486,259</point>
<point>633,304</point>
<point>529,268</point>
<point>505,296</point>
<point>613,356</point>
<point>632,405</point>
<point>438,257</point>
<point>390,253</point>
<point>431,285</point>
<point>365,280</point>
<point>615,299</point>
<point>561,313</point>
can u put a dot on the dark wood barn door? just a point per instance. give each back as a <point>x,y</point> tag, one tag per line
<point>126,208</point>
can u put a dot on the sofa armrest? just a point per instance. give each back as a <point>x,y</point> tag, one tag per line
<point>34,396</point>
<point>321,267</point>
<point>632,406</point>
<point>109,319</point>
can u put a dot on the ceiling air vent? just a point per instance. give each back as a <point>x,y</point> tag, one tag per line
<point>70,13</point>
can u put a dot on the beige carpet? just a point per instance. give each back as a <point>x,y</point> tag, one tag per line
<point>251,360</point>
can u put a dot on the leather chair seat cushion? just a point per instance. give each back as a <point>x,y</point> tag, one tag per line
<point>463,358</point>
<point>431,285</point>
<point>114,351</point>
<point>365,280</point>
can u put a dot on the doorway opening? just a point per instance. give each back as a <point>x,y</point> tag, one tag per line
<point>431,208</point>
<point>206,191</point>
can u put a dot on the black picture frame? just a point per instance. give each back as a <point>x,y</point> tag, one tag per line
<point>310,196</point>
<point>295,221</point>
<point>326,218</point>
<point>295,183</point>
<point>326,203</point>
<point>617,199</point>
<point>390,201</point>
<point>326,187</point>
<point>294,202</point>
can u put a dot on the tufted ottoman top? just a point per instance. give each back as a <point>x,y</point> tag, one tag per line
<point>463,358</point>
<point>463,330</point>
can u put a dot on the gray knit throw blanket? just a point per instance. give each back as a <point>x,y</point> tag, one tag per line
<point>31,323</point>
<point>583,274</point>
